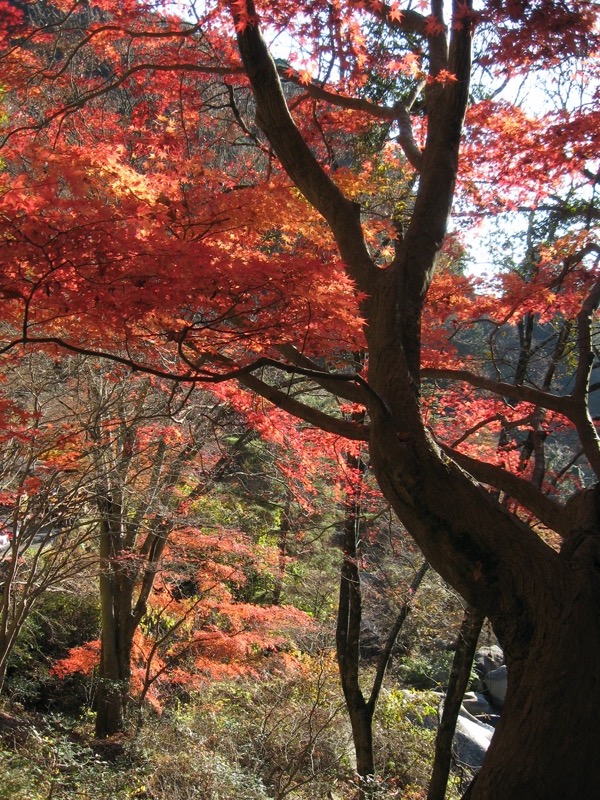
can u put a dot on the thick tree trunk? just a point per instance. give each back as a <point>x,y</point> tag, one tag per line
<point>114,674</point>
<point>118,628</point>
<point>543,607</point>
<point>545,747</point>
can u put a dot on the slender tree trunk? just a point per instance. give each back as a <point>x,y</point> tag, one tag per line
<point>18,596</point>
<point>9,635</point>
<point>361,721</point>
<point>8,572</point>
<point>282,541</point>
<point>360,710</point>
<point>4,654</point>
<point>457,686</point>
<point>348,630</point>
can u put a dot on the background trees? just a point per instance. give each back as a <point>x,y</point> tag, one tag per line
<point>46,482</point>
<point>252,268</point>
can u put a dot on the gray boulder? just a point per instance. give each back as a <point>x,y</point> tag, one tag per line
<point>488,659</point>
<point>471,740</point>
<point>496,682</point>
<point>471,737</point>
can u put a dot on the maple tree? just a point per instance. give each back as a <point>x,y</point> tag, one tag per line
<point>194,629</point>
<point>146,216</point>
<point>141,459</point>
<point>157,457</point>
<point>169,615</point>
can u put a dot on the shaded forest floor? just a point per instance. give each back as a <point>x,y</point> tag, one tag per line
<point>237,742</point>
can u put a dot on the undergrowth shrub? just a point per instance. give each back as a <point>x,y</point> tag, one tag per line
<point>405,730</point>
<point>43,759</point>
<point>282,738</point>
<point>186,766</point>
<point>289,731</point>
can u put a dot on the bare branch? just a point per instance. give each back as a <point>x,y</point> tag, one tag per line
<point>273,117</point>
<point>548,511</point>
<point>341,427</point>
<point>581,416</point>
<point>386,653</point>
<point>524,394</point>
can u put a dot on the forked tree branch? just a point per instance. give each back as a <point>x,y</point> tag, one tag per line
<point>398,113</point>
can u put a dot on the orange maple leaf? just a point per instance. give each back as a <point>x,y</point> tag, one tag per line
<point>394,14</point>
<point>445,77</point>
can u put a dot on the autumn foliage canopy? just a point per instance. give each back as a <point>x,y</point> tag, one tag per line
<point>256,197</point>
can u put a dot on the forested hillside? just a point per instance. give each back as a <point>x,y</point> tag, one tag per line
<point>298,404</point>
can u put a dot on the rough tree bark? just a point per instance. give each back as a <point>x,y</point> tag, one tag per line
<point>542,604</point>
